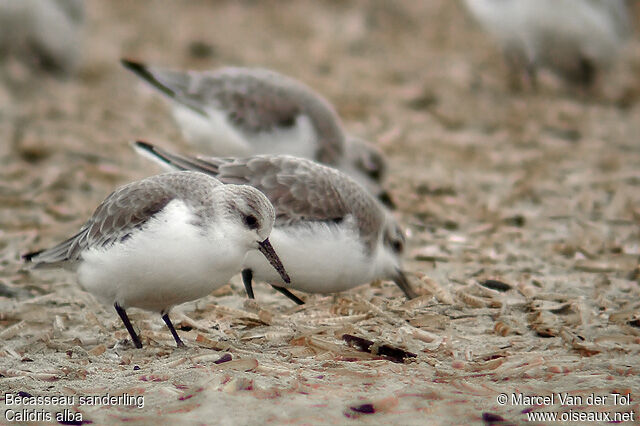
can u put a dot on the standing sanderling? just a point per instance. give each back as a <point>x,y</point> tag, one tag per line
<point>574,38</point>
<point>329,231</point>
<point>166,240</point>
<point>248,111</point>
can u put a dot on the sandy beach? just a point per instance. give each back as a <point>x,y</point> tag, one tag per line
<point>521,210</point>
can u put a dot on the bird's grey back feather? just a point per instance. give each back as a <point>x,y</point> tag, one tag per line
<point>129,208</point>
<point>299,189</point>
<point>255,100</point>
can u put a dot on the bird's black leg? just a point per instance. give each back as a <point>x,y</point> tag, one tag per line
<point>247,277</point>
<point>125,319</point>
<point>167,321</point>
<point>290,295</point>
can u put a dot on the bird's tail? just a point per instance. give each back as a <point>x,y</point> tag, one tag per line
<point>29,257</point>
<point>173,84</point>
<point>173,161</point>
<point>51,257</point>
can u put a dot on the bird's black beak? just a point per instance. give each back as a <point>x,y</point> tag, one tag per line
<point>267,250</point>
<point>401,281</point>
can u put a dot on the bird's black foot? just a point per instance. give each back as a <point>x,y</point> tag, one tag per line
<point>247,277</point>
<point>173,331</point>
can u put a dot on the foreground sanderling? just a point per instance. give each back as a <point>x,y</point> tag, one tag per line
<point>247,111</point>
<point>574,38</point>
<point>166,240</point>
<point>329,231</point>
<point>47,32</point>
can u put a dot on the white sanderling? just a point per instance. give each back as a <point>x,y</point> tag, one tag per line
<point>47,32</point>
<point>166,240</point>
<point>573,38</point>
<point>331,234</point>
<point>248,111</point>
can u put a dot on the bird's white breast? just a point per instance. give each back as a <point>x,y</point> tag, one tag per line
<point>212,134</point>
<point>299,140</point>
<point>169,262</point>
<point>217,135</point>
<point>319,258</point>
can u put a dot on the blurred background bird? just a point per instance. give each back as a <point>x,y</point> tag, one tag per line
<point>44,34</point>
<point>236,111</point>
<point>573,38</point>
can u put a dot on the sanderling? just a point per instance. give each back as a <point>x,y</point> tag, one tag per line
<point>574,38</point>
<point>329,231</point>
<point>248,111</point>
<point>166,240</point>
<point>45,31</point>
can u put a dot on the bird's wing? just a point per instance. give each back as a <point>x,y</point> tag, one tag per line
<point>299,189</point>
<point>254,100</point>
<point>126,209</point>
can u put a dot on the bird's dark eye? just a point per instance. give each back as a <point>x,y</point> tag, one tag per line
<point>375,174</point>
<point>386,199</point>
<point>251,221</point>
<point>397,246</point>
